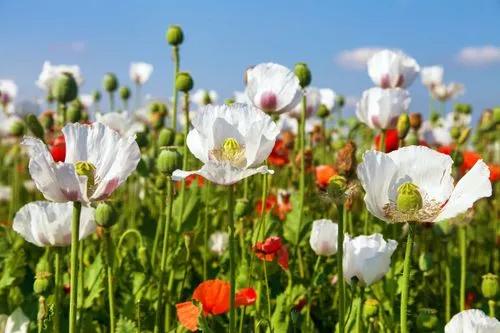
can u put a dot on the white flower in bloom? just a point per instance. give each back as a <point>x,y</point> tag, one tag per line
<point>367,258</point>
<point>323,239</point>
<point>46,223</point>
<point>98,160</point>
<point>432,75</point>
<point>50,73</point>
<point>444,92</point>
<point>232,142</point>
<point>380,108</point>
<point>391,69</point>
<point>272,87</point>
<point>415,184</point>
<point>313,102</point>
<point>218,241</point>
<point>472,321</point>
<point>140,72</point>
<point>204,97</point>
<point>8,91</point>
<point>17,322</point>
<point>122,122</point>
<point>328,97</point>
<point>241,97</point>
<point>435,134</point>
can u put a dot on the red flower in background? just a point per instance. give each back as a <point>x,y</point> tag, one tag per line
<point>279,205</point>
<point>391,140</point>
<point>58,149</point>
<point>270,249</point>
<point>469,160</point>
<point>279,154</point>
<point>191,178</point>
<point>323,175</point>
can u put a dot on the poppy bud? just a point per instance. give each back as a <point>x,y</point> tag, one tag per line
<point>425,262</point>
<point>434,117</point>
<point>96,95</point>
<point>34,126</point>
<point>303,74</point>
<point>340,101</point>
<point>229,101</point>
<point>47,120</point>
<point>184,82</point>
<point>124,93</point>
<point>17,128</point>
<point>65,88</point>
<point>403,125</point>
<point>455,133</point>
<point>337,186</point>
<point>175,36</point>
<point>110,82</point>
<point>464,135</point>
<point>168,161</point>
<point>41,283</point>
<point>74,112</point>
<point>489,286</point>
<point>323,111</point>
<point>427,320</point>
<point>142,139</point>
<point>179,139</point>
<point>370,308</point>
<point>166,137</point>
<point>105,215</point>
<point>412,138</point>
<point>142,255</point>
<point>415,120</point>
<point>159,108</point>
<point>408,198</point>
<point>241,208</point>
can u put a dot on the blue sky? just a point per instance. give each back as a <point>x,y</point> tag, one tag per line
<point>225,37</point>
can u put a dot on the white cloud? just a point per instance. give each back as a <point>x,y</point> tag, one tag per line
<point>356,58</point>
<point>480,55</point>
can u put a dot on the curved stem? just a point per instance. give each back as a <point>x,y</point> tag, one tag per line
<point>57,289</point>
<point>406,279</point>
<point>175,56</point>
<point>463,264</point>
<point>340,269</point>
<point>108,249</point>
<point>232,260</point>
<point>302,179</point>
<point>75,232</point>
<point>134,232</point>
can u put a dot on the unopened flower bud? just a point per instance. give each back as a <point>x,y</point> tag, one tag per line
<point>303,74</point>
<point>168,161</point>
<point>175,36</point>
<point>105,215</point>
<point>408,198</point>
<point>159,108</point>
<point>184,82</point>
<point>337,186</point>
<point>47,120</point>
<point>415,120</point>
<point>229,101</point>
<point>17,128</point>
<point>96,95</point>
<point>425,262</point>
<point>179,139</point>
<point>427,320</point>
<point>241,208</point>
<point>340,101</point>
<point>323,111</point>
<point>434,117</point>
<point>74,112</point>
<point>370,308</point>
<point>124,93</point>
<point>110,82</point>
<point>65,88</point>
<point>41,283</point>
<point>34,126</point>
<point>403,125</point>
<point>455,133</point>
<point>464,135</point>
<point>166,137</point>
<point>489,286</point>
<point>142,255</point>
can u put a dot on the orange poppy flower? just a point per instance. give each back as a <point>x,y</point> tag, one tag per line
<point>323,175</point>
<point>270,249</point>
<point>279,154</point>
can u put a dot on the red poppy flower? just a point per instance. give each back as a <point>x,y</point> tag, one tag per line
<point>323,175</point>
<point>279,205</point>
<point>58,149</point>
<point>279,154</point>
<point>188,314</point>
<point>470,298</point>
<point>391,140</point>
<point>446,149</point>
<point>469,160</point>
<point>271,202</point>
<point>191,178</point>
<point>270,249</point>
<point>494,172</point>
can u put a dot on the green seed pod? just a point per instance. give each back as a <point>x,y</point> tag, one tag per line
<point>489,285</point>
<point>41,283</point>
<point>166,137</point>
<point>241,208</point>
<point>425,262</point>
<point>34,126</point>
<point>174,35</point>
<point>179,139</point>
<point>96,95</point>
<point>408,198</point>
<point>105,215</point>
<point>303,74</point>
<point>403,125</point>
<point>65,88</point>
<point>337,186</point>
<point>229,101</point>
<point>158,108</point>
<point>412,138</point>
<point>47,120</point>
<point>124,93</point>
<point>340,101</point>
<point>74,112</point>
<point>427,320</point>
<point>370,308</point>
<point>184,82</point>
<point>142,139</point>
<point>17,128</point>
<point>323,111</point>
<point>168,161</point>
<point>110,82</point>
<point>455,133</point>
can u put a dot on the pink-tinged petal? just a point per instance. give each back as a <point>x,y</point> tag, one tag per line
<point>108,189</point>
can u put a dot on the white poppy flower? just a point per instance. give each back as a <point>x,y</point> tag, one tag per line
<point>122,122</point>
<point>50,73</point>
<point>323,239</point>
<point>218,241</point>
<point>17,322</point>
<point>414,184</point>
<point>472,321</point>
<point>8,91</point>
<point>380,108</point>
<point>98,160</point>
<point>272,87</point>
<point>444,92</point>
<point>435,134</point>
<point>431,75</point>
<point>241,97</point>
<point>328,97</point>
<point>286,123</point>
<point>391,69</point>
<point>140,72</point>
<point>203,97</point>
<point>232,141</point>
<point>313,102</point>
<point>45,223</point>
<point>367,258</point>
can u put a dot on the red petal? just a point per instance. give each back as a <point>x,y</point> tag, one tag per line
<point>283,257</point>
<point>214,296</point>
<point>246,296</point>
<point>188,314</point>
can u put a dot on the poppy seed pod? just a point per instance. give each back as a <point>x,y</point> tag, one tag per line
<point>179,139</point>
<point>34,126</point>
<point>166,137</point>
<point>96,95</point>
<point>408,198</point>
<point>303,74</point>
<point>340,101</point>
<point>403,125</point>
<point>415,120</point>
<point>184,82</point>
<point>65,89</point>
<point>489,285</point>
<point>74,112</point>
<point>168,161</point>
<point>17,128</point>
<point>337,186</point>
<point>124,93</point>
<point>110,82</point>
<point>427,320</point>
<point>105,215</point>
<point>174,35</point>
<point>41,283</point>
<point>323,111</point>
<point>159,108</point>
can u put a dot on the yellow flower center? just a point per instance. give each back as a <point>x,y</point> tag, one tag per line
<point>83,168</point>
<point>230,152</point>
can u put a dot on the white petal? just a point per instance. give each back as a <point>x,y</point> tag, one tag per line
<point>472,321</point>
<point>17,322</point>
<point>221,174</point>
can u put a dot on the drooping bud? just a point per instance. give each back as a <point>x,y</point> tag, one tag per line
<point>455,133</point>
<point>174,35</point>
<point>408,198</point>
<point>65,88</point>
<point>427,320</point>
<point>124,93</point>
<point>74,112</point>
<point>184,82</point>
<point>105,215</point>
<point>303,74</point>
<point>340,101</point>
<point>403,126</point>
<point>489,285</point>
<point>337,186</point>
<point>168,161</point>
<point>464,135</point>
<point>110,82</point>
<point>142,255</point>
<point>34,126</point>
<point>323,111</point>
<point>370,308</point>
<point>166,137</point>
<point>415,120</point>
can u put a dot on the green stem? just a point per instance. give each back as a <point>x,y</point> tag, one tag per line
<point>111,101</point>
<point>268,296</point>
<point>160,310</point>
<point>491,305</point>
<point>340,269</point>
<point>108,249</point>
<point>206,198</point>
<point>302,179</point>
<point>447,286</point>
<point>175,56</point>
<point>159,230</point>
<point>309,297</point>
<point>463,264</point>
<point>382,140</point>
<point>185,153</point>
<point>359,311</point>
<point>80,296</point>
<point>75,232</point>
<point>232,260</point>
<point>406,279</point>
<point>57,289</point>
